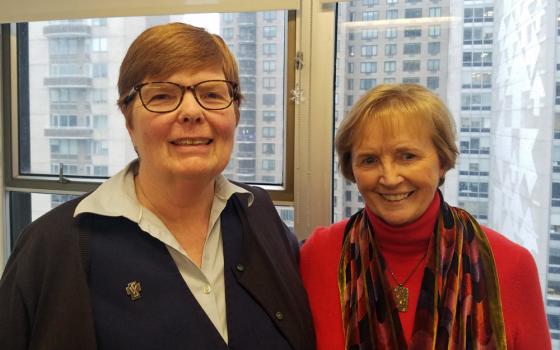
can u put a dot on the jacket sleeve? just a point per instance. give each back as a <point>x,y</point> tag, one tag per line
<point>14,315</point>
<point>532,330</point>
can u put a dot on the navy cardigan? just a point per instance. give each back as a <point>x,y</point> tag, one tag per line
<point>44,293</point>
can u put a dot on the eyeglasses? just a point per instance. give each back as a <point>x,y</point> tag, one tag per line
<point>165,96</point>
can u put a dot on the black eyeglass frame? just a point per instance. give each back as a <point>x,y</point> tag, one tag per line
<point>136,89</point>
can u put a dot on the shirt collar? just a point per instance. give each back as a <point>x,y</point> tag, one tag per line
<point>117,196</point>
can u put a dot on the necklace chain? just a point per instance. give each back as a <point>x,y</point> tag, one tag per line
<point>411,272</point>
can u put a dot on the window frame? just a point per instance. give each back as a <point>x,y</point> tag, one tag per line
<point>15,181</point>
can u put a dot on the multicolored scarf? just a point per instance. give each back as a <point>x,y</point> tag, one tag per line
<point>459,305</point>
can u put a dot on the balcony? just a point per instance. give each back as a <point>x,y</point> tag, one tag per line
<point>67,30</point>
<point>68,81</point>
<point>72,132</point>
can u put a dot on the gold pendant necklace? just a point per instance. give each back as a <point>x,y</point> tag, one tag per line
<point>400,292</point>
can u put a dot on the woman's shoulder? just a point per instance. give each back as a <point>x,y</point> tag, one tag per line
<point>505,250</point>
<point>325,240</point>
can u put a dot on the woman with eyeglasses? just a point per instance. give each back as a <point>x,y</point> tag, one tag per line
<point>168,253</point>
<point>409,271</point>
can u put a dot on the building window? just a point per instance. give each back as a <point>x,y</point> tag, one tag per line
<point>269,49</point>
<point>348,196</point>
<point>391,33</point>
<point>413,33</point>
<point>413,13</point>
<point>269,66</point>
<point>412,48</point>
<point>369,50</point>
<point>411,65</point>
<point>269,15</point>
<point>434,48</point>
<point>350,67</point>
<point>350,84</point>
<point>227,33</point>
<point>434,31</point>
<point>368,67</point>
<point>269,131</point>
<point>434,12</point>
<point>99,96</point>
<point>99,44</point>
<point>269,116</point>
<point>411,80</point>
<point>268,164</point>
<point>390,66</point>
<point>477,59</point>
<point>392,14</point>
<point>432,65</point>
<point>349,100</point>
<point>366,84</point>
<point>370,15</point>
<point>269,83</point>
<point>369,34</point>
<point>390,50</point>
<point>432,83</point>
<point>269,32</point>
<point>101,148</point>
<point>268,99</point>
<point>268,148</point>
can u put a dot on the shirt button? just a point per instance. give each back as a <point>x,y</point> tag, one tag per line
<point>207,289</point>
<point>279,316</point>
<point>240,267</point>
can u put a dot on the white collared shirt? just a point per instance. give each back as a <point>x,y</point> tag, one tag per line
<point>117,197</point>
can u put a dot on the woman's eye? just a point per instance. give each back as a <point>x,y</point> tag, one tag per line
<point>369,160</point>
<point>408,156</point>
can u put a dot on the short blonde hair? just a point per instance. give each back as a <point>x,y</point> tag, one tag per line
<point>163,50</point>
<point>387,101</point>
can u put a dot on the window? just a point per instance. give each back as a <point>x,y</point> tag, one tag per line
<point>268,164</point>
<point>368,67</point>
<point>432,83</point>
<point>269,66</point>
<point>99,44</point>
<point>269,32</point>
<point>370,15</point>
<point>269,131</point>
<point>434,12</point>
<point>411,80</point>
<point>269,49</point>
<point>99,96</point>
<point>349,84</point>
<point>370,2</point>
<point>268,148</point>
<point>369,50</point>
<point>227,33</point>
<point>434,48</point>
<point>432,65</point>
<point>390,50</point>
<point>412,49</point>
<point>269,15</point>
<point>349,100</point>
<point>369,34</point>
<point>366,84</point>
<point>268,99</point>
<point>391,33</point>
<point>390,67</point>
<point>413,13</point>
<point>411,65</point>
<point>269,83</point>
<point>392,2</point>
<point>477,59</point>
<point>478,14</point>
<point>392,14</point>
<point>412,33</point>
<point>350,67</point>
<point>434,31</point>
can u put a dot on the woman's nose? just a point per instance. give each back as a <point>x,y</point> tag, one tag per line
<point>189,109</point>
<point>390,175</point>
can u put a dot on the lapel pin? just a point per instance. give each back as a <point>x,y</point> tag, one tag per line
<point>133,290</point>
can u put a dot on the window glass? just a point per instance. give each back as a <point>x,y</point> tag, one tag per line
<point>71,90</point>
<point>488,73</point>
